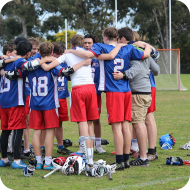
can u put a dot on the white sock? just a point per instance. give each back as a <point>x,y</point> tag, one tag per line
<point>90,160</point>
<point>26,151</point>
<point>39,159</point>
<point>98,141</point>
<point>48,160</point>
<point>18,161</point>
<point>143,159</point>
<point>5,160</point>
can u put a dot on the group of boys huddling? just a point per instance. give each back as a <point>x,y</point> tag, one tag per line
<point>125,71</point>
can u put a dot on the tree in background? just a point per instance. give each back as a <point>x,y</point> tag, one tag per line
<point>60,37</point>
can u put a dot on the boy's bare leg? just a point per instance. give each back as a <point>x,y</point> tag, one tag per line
<point>141,133</point>
<point>59,134</point>
<point>91,132</point>
<point>83,131</point>
<point>97,128</point>
<point>27,133</point>
<point>42,137</point>
<point>151,129</point>
<point>49,142</point>
<point>126,130</point>
<point>118,137</point>
<point>36,142</point>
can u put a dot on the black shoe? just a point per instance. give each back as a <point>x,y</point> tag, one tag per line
<point>127,165</point>
<point>43,151</point>
<point>139,162</point>
<point>27,155</point>
<point>120,166</point>
<point>64,151</point>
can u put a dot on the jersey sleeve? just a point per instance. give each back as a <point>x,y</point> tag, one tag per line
<point>22,73</point>
<point>61,59</point>
<point>136,54</point>
<point>57,70</point>
<point>96,49</point>
<point>19,64</point>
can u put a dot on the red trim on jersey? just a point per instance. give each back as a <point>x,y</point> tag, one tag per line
<point>20,73</point>
<point>142,56</point>
<point>94,53</point>
<point>60,71</point>
<point>23,64</point>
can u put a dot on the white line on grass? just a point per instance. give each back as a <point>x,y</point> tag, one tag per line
<point>146,183</point>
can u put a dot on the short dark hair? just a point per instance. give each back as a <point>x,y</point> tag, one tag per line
<point>9,47</point>
<point>126,32</point>
<point>111,33</point>
<point>46,49</point>
<point>77,40</point>
<point>18,39</point>
<point>23,47</point>
<point>59,48</point>
<point>94,38</point>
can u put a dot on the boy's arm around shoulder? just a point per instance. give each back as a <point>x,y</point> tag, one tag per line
<point>154,67</point>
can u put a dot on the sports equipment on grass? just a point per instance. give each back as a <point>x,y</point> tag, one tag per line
<point>152,157</point>
<point>67,142</point>
<point>28,171</point>
<point>167,141</point>
<point>186,146</point>
<point>177,161</point>
<point>104,142</point>
<point>169,77</point>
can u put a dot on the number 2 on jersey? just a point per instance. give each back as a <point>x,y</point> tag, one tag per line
<point>119,64</point>
<point>42,88</point>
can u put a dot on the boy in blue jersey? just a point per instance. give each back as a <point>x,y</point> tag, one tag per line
<point>118,93</point>
<point>13,114</point>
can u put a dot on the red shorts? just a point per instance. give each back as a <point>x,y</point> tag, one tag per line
<point>119,106</point>
<point>84,103</point>
<point>99,101</point>
<point>46,119</point>
<point>13,118</point>
<point>27,109</point>
<point>63,112</point>
<point>152,107</point>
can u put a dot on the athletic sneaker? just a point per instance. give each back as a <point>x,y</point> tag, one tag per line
<point>19,166</point>
<point>39,166</point>
<point>48,167</point>
<point>127,165</point>
<point>152,157</point>
<point>139,162</point>
<point>100,150</point>
<point>3,164</point>
<point>64,151</point>
<point>186,146</point>
<point>27,155</point>
<point>120,166</point>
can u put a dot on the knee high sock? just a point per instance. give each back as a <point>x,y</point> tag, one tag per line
<point>17,138</point>
<point>4,142</point>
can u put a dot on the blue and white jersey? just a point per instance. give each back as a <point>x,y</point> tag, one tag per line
<point>152,80</point>
<point>13,90</point>
<point>95,67</point>
<point>119,63</point>
<point>37,55</point>
<point>44,94</point>
<point>27,88</point>
<point>63,85</point>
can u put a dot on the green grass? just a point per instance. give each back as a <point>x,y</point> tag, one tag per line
<point>172,116</point>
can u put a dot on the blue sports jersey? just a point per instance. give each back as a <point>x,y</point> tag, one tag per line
<point>13,90</point>
<point>37,55</point>
<point>27,88</point>
<point>152,80</point>
<point>96,74</point>
<point>119,63</point>
<point>63,85</point>
<point>44,94</point>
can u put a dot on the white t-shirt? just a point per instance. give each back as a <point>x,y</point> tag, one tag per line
<point>83,75</point>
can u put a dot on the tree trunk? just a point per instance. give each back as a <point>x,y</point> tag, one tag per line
<point>24,28</point>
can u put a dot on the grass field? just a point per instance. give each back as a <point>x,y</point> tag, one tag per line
<point>172,116</point>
